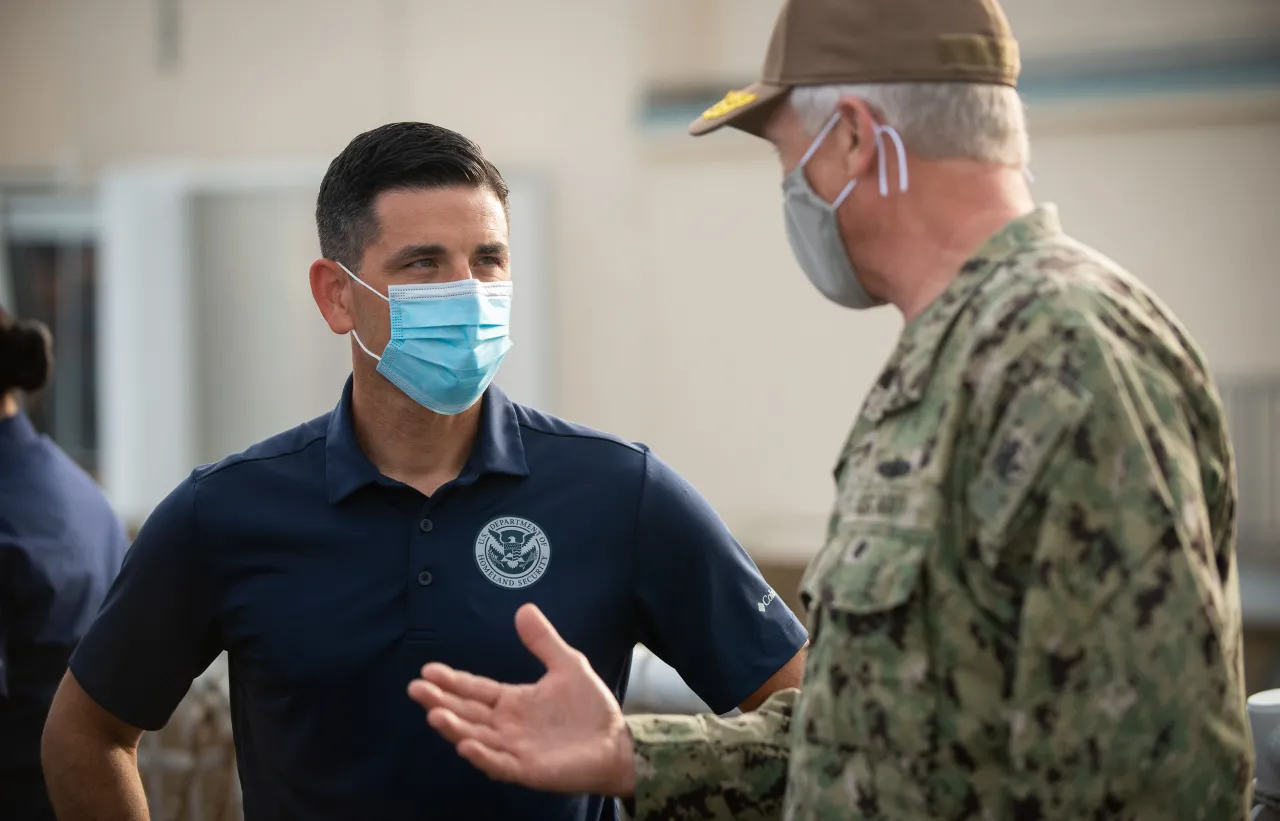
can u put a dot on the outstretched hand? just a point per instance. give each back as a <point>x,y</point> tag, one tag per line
<point>564,733</point>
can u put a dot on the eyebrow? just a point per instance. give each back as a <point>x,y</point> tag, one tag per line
<point>409,253</point>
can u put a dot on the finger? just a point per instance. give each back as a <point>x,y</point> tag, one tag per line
<point>463,685</point>
<point>541,638</point>
<point>497,764</point>
<point>456,730</point>
<point>430,696</point>
<point>418,692</point>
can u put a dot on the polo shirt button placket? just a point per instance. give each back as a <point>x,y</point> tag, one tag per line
<point>425,606</point>
<point>424,576</point>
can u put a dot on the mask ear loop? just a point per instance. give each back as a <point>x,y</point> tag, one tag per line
<point>362,282</point>
<point>1027,175</point>
<point>848,189</point>
<point>817,141</point>
<point>362,347</point>
<point>376,293</point>
<point>822,135</point>
<point>880,131</point>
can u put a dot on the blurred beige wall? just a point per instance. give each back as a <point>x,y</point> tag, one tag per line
<point>243,243</point>
<point>682,320</point>
<point>34,93</point>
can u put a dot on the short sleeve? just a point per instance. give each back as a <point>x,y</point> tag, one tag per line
<point>155,632</point>
<point>703,606</point>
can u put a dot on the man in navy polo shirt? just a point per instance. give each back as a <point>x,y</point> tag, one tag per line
<point>333,560</point>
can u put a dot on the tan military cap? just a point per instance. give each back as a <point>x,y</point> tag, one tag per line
<point>818,42</point>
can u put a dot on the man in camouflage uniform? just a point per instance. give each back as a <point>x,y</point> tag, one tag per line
<point>1027,606</point>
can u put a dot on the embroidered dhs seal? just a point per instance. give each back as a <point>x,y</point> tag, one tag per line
<point>512,552</point>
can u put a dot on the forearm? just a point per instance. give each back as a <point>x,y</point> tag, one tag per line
<point>706,767</point>
<point>92,780</point>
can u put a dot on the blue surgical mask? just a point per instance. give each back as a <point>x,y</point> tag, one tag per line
<point>447,340</point>
<point>814,233</point>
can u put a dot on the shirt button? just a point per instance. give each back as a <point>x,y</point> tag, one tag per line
<point>425,525</point>
<point>425,578</point>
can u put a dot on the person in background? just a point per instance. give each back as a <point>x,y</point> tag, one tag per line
<point>407,525</point>
<point>60,548</point>
<point>1028,604</point>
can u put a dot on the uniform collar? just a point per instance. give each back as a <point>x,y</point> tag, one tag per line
<point>17,431</point>
<point>905,377</point>
<point>498,447</point>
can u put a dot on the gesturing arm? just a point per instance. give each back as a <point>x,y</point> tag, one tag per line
<point>566,733</point>
<point>705,767</point>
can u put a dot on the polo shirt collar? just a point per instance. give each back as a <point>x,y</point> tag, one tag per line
<point>498,447</point>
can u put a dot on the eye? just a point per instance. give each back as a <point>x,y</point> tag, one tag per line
<point>491,260</point>
<point>423,263</point>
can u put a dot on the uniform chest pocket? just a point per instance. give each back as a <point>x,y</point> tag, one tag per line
<point>869,685</point>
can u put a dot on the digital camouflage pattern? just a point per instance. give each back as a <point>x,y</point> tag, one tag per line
<point>1027,607</point>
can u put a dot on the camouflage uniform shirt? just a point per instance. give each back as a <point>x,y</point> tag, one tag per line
<point>1027,606</point>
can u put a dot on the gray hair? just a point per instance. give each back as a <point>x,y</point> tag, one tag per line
<point>976,121</point>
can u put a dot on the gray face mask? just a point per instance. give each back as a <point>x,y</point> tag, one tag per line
<point>814,232</point>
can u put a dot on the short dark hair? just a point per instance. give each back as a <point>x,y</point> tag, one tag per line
<point>26,355</point>
<point>393,157</point>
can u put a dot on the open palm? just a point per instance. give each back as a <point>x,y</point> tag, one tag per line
<point>564,733</point>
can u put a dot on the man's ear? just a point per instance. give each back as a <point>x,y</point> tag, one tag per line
<point>330,288</point>
<point>858,135</point>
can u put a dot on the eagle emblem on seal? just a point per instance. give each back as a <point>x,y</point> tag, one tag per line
<point>512,551</point>
<point>511,548</point>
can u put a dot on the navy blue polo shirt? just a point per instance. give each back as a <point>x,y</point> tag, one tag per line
<point>60,547</point>
<point>330,585</point>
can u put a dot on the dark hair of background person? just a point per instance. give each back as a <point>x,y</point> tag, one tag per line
<point>393,157</point>
<point>26,355</point>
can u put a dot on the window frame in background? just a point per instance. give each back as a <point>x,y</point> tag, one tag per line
<point>49,243</point>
